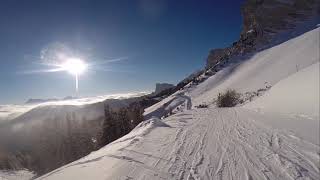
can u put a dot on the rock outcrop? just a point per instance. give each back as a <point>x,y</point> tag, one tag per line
<point>262,20</point>
<point>162,87</point>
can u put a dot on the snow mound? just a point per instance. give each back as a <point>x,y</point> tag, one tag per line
<point>173,104</point>
<point>151,123</point>
<point>143,129</point>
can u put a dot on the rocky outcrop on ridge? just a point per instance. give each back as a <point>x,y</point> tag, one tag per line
<point>262,20</point>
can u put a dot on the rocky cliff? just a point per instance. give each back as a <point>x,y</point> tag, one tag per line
<point>162,86</point>
<point>262,20</point>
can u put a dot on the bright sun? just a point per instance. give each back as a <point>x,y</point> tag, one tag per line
<point>74,66</point>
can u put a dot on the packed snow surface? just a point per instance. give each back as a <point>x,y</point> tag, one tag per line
<point>16,175</point>
<point>273,137</point>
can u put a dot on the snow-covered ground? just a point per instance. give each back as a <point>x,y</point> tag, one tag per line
<point>296,95</point>
<point>200,144</point>
<point>274,137</point>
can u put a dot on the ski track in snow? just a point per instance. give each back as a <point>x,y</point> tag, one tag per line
<point>230,146</point>
<point>218,144</point>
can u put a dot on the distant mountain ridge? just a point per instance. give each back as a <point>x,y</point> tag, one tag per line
<point>38,101</point>
<point>162,86</point>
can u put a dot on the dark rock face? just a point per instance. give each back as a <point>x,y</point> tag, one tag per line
<point>216,55</point>
<point>263,19</point>
<point>162,86</point>
<point>267,17</point>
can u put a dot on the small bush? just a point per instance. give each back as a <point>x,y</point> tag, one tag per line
<point>228,99</point>
<point>202,106</point>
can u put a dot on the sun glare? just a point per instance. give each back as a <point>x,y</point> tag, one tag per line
<point>74,66</point>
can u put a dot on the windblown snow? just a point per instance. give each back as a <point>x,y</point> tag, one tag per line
<point>276,136</point>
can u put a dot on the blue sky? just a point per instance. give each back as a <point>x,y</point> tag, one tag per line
<point>159,41</point>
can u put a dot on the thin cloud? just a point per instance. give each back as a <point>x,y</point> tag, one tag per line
<point>41,71</point>
<point>107,61</point>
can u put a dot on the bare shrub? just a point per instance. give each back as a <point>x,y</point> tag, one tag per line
<point>202,106</point>
<point>228,99</point>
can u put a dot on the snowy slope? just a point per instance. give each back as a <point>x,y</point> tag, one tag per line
<point>296,98</point>
<point>264,68</point>
<point>225,143</point>
<point>16,175</point>
<point>298,94</point>
<point>201,144</point>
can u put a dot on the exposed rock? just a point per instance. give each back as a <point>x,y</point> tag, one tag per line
<point>267,17</point>
<point>216,55</point>
<point>162,86</point>
<point>262,20</point>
